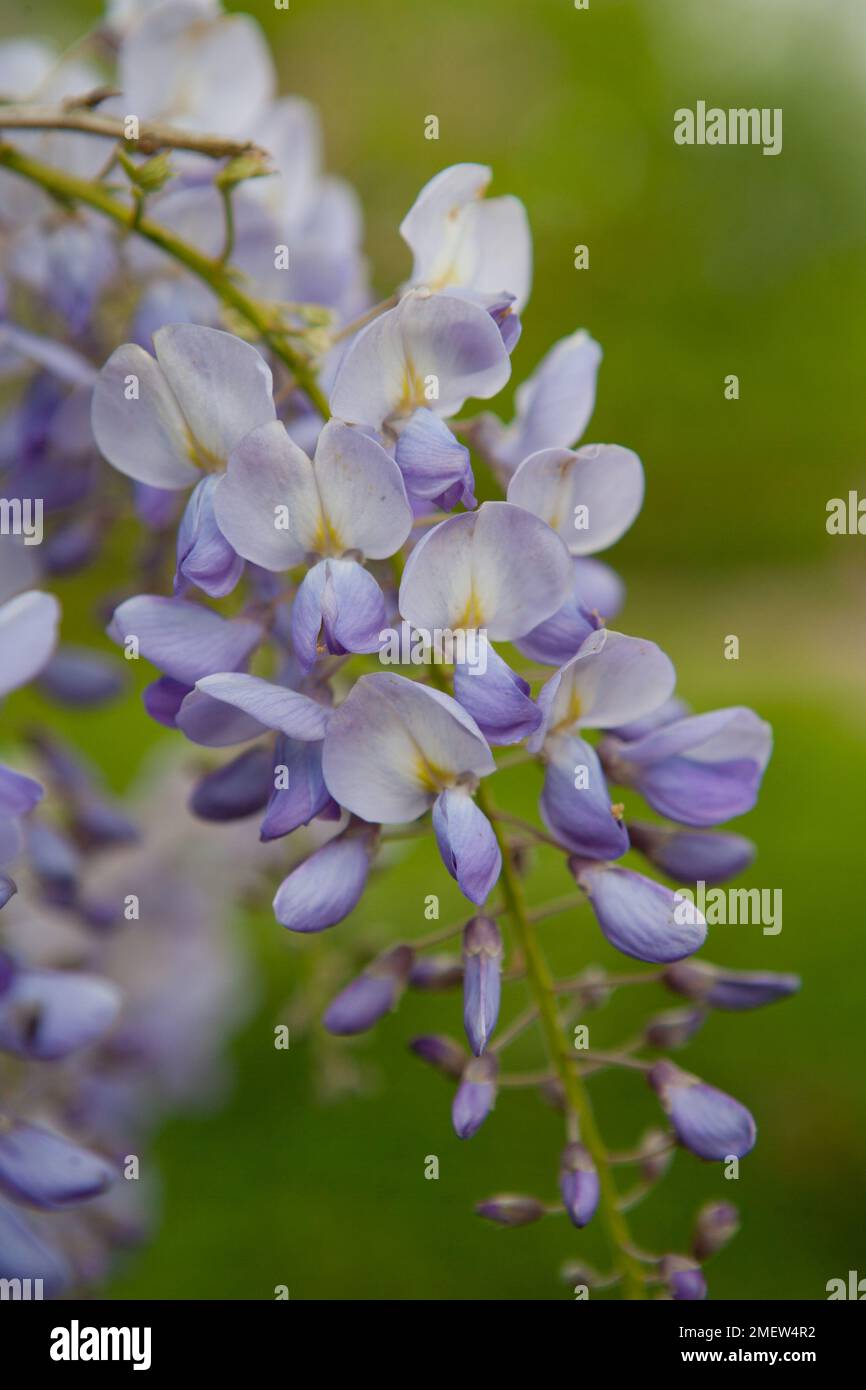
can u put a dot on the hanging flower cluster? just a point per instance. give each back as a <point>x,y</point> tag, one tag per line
<point>304,456</point>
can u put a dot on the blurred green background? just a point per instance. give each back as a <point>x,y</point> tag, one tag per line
<point>703,262</point>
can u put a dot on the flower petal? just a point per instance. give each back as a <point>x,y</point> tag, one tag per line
<point>185,640</point>
<point>24,1255</point>
<point>435,466</point>
<point>700,770</point>
<point>553,406</point>
<point>305,795</point>
<point>362,491</point>
<point>461,239</point>
<point>498,699</point>
<point>222,384</point>
<point>596,597</point>
<point>326,887</point>
<point>482,980</point>
<point>467,843</point>
<point>267,504</point>
<point>612,679</point>
<point>640,917</point>
<point>499,568</point>
<point>28,634</point>
<point>272,706</point>
<point>338,608</point>
<point>204,556</point>
<point>575,802</point>
<point>372,995</point>
<point>392,746</point>
<point>143,435</point>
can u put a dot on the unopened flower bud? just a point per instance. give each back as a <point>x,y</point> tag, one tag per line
<point>729,989</point>
<point>684,1278</point>
<point>476,1095</point>
<point>656,1155</point>
<point>673,1028</point>
<point>372,995</point>
<point>482,960</point>
<point>594,989</point>
<point>716,1223</point>
<point>510,1209</point>
<point>713,1125</point>
<point>579,1186</point>
<point>443,1053</point>
<point>436,972</point>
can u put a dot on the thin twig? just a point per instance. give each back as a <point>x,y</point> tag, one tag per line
<point>75,115</point>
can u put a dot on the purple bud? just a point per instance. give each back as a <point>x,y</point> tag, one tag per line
<point>577,1272</point>
<point>46,1014</point>
<point>239,788</point>
<point>98,822</point>
<point>510,1209</point>
<point>372,995</point>
<point>55,863</point>
<point>683,1277</point>
<point>46,1170</point>
<point>482,978</point>
<point>713,1125</point>
<point>81,678</point>
<point>594,989</point>
<point>716,1223</point>
<point>579,1186</point>
<point>729,989</point>
<point>442,1053</point>
<point>326,887</point>
<point>436,972</point>
<point>673,1028</point>
<point>476,1095</point>
<point>691,855</point>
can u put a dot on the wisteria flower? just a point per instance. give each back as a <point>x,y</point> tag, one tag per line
<point>164,420</point>
<point>431,351</point>
<point>395,749</point>
<point>460,239</point>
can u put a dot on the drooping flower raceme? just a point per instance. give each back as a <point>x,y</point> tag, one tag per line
<point>333,505</point>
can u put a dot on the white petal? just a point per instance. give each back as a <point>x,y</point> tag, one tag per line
<point>589,497</point>
<point>393,745</point>
<point>267,472</point>
<point>612,680</point>
<point>28,633</point>
<point>428,339</point>
<point>499,568</point>
<point>222,384</point>
<point>362,492</point>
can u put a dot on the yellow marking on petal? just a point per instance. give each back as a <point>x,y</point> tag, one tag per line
<point>326,539</point>
<point>432,778</point>
<point>571,715</point>
<point>201,457</point>
<point>412,393</point>
<point>473,615</point>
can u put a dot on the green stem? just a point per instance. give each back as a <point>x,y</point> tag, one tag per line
<point>543,991</point>
<point>229,239</point>
<point>69,189</point>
